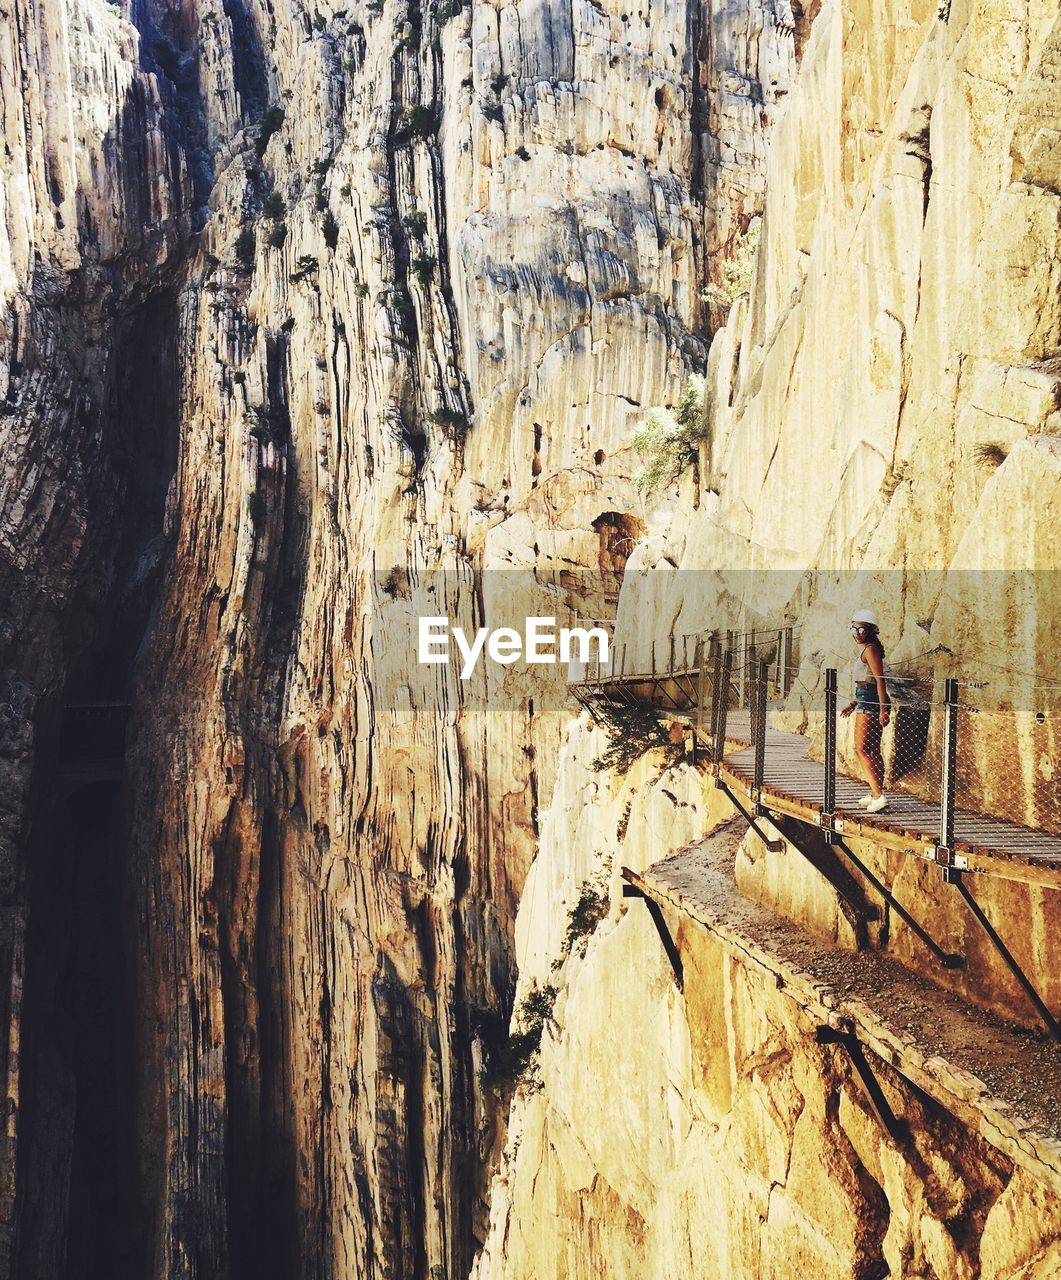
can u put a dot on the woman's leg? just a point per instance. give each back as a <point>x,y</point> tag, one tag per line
<point>867,748</point>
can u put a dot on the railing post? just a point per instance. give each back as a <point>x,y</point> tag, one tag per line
<point>829,799</point>
<point>622,660</point>
<point>653,657</point>
<point>786,661</point>
<point>742,671</point>
<point>950,756</point>
<point>723,708</point>
<point>716,687</point>
<point>759,726</point>
<point>698,709</point>
<point>670,668</point>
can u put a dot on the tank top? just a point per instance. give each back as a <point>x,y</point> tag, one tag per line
<point>860,668</point>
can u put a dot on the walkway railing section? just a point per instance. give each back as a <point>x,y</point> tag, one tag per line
<point>975,767</point>
<point>986,768</point>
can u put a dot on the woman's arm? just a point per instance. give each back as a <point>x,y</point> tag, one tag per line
<point>876,664</point>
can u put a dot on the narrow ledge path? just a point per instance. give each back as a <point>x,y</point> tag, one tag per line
<point>1003,1083</point>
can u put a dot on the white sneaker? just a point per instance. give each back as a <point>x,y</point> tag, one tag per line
<point>866,799</point>
<point>875,806</point>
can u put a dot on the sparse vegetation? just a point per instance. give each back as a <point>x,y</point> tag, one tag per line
<point>498,83</point>
<point>990,455</point>
<point>277,235</point>
<point>590,909</point>
<point>246,243</point>
<point>523,153</point>
<point>419,122</point>
<point>330,230</point>
<point>424,267</point>
<point>448,9</point>
<point>668,439</point>
<point>275,205</point>
<point>319,22</point>
<point>271,121</point>
<point>305,266</point>
<point>633,729</point>
<point>511,1062</point>
<point>453,422</point>
<point>415,222</point>
<point>737,270</point>
<point>270,422</point>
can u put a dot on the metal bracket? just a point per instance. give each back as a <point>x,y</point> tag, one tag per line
<point>632,891</point>
<point>955,877</point>
<point>881,1107</point>
<point>946,857</point>
<point>775,846</point>
<point>946,958</point>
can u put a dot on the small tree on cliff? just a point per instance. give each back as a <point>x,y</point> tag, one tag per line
<point>668,438</point>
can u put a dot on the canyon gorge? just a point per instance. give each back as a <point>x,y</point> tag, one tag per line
<point>315,961</point>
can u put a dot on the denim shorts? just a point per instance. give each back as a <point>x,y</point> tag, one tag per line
<point>866,699</point>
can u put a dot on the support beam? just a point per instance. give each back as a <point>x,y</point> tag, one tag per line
<point>656,913</point>
<point>893,1126</point>
<point>946,958</point>
<point>956,878</point>
<point>775,846</point>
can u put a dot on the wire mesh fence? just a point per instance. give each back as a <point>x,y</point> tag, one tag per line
<point>965,762</point>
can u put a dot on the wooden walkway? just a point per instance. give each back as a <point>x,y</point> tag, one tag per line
<point>795,785</point>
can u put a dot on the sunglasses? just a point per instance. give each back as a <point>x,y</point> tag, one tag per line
<point>858,626</point>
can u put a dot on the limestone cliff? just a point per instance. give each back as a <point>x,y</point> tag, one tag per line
<point>300,305</point>
<point>881,418</point>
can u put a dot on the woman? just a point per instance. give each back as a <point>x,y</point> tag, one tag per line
<point>870,706</point>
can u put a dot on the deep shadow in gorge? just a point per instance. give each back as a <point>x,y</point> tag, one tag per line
<point>79,1203</point>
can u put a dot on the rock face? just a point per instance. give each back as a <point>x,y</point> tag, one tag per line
<point>307,313</point>
<point>876,411</point>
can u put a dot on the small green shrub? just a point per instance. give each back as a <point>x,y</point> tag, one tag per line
<point>512,1061</point>
<point>271,121</point>
<point>523,153</point>
<point>275,205</point>
<point>419,122</point>
<point>668,440</point>
<point>415,222</point>
<point>424,267</point>
<point>498,83</point>
<point>361,290</point>
<point>305,266</point>
<point>319,22</point>
<point>330,230</point>
<point>246,244</point>
<point>453,422</point>
<point>590,909</point>
<point>492,111</point>
<point>277,235</point>
<point>633,729</point>
<point>737,271</point>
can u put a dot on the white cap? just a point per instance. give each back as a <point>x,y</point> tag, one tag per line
<point>864,615</point>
